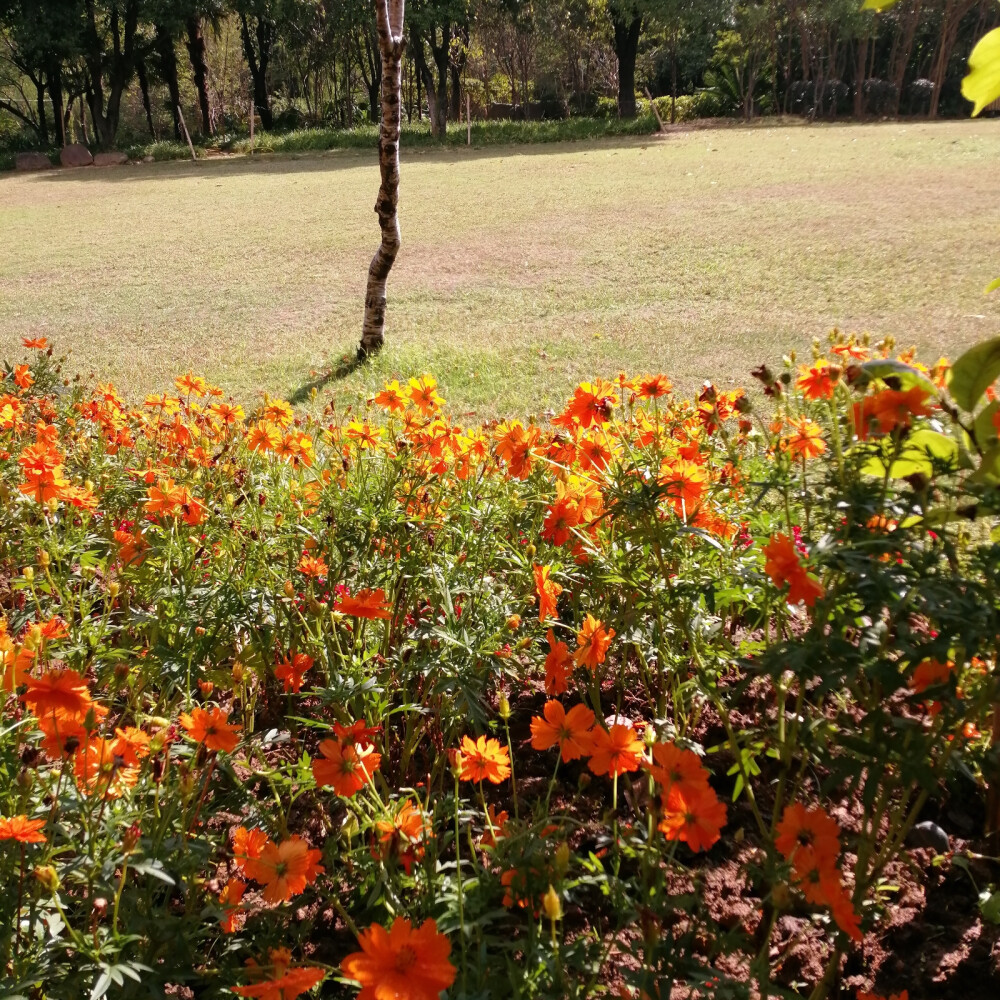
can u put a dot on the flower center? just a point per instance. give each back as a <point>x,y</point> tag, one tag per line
<point>406,958</point>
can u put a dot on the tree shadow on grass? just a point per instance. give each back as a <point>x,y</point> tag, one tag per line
<point>347,365</point>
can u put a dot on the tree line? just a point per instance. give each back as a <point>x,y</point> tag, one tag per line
<point>317,61</point>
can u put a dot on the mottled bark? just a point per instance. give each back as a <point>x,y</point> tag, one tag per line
<point>389,20</point>
<point>199,67</point>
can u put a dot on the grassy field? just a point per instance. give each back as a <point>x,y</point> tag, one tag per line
<point>523,270</point>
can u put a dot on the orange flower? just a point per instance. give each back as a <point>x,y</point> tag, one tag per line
<point>61,692</point>
<point>695,817</point>
<point>930,673</point>
<point>23,377</point>
<point>653,386</point>
<point>166,497</point>
<point>484,759</point>
<point>889,409</point>
<point>615,751</point>
<point>592,403</point>
<point>233,917</point>
<point>401,963</point>
<point>287,983</point>
<point>547,590</point>
<point>674,767</point>
<point>22,829</point>
<point>423,395</point>
<point>284,869</point>
<point>292,669</point>
<point>818,380</point>
<point>313,566</point>
<point>570,730</point>
<point>806,441</point>
<point>15,661</point>
<point>403,837</point>
<point>100,768</point>
<point>782,566</point>
<point>264,437</point>
<point>592,643</point>
<point>365,604</point>
<point>248,845</point>
<point>35,343</point>
<point>211,728</point>
<point>808,838</point>
<point>191,384</point>
<point>391,398</point>
<point>344,766</point>
<point>684,485</point>
<point>557,663</point>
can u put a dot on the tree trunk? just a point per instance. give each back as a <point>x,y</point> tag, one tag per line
<point>437,90</point>
<point>257,62</point>
<point>954,11</point>
<point>673,77</point>
<point>902,50</point>
<point>140,69</point>
<point>164,43</point>
<point>390,43</point>
<point>199,65</point>
<point>56,93</point>
<point>860,65</point>
<point>627,27</point>
<point>456,66</point>
<point>43,122</point>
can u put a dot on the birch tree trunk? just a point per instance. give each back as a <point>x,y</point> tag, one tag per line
<point>389,22</point>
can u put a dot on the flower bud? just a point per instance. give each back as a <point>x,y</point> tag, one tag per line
<point>552,905</point>
<point>289,588</point>
<point>99,908</point>
<point>47,876</point>
<point>238,672</point>
<point>114,588</point>
<point>44,559</point>
<point>504,707</point>
<point>562,858</point>
<point>28,573</point>
<point>131,838</point>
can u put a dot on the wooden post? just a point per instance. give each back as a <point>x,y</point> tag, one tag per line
<point>468,119</point>
<point>253,115</point>
<point>187,135</point>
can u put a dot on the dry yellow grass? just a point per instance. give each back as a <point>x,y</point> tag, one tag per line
<point>523,269</point>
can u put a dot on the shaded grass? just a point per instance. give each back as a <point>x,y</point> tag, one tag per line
<point>523,269</point>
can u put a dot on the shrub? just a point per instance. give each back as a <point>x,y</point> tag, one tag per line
<point>493,701</point>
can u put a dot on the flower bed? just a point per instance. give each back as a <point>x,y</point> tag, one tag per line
<point>648,699</point>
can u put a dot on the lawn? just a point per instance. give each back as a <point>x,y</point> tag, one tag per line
<point>523,269</point>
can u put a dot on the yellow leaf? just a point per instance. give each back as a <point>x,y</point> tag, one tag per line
<point>877,4</point>
<point>982,85</point>
<point>992,286</point>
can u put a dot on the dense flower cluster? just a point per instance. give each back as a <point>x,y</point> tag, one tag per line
<point>499,695</point>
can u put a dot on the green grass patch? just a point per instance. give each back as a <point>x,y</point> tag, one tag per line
<point>524,268</point>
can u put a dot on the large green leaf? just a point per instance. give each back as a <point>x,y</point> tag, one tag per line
<point>908,376</point>
<point>923,450</point>
<point>974,372</point>
<point>986,430</point>
<point>982,85</point>
<point>989,471</point>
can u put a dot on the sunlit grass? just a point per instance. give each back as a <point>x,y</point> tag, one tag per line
<point>523,269</point>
